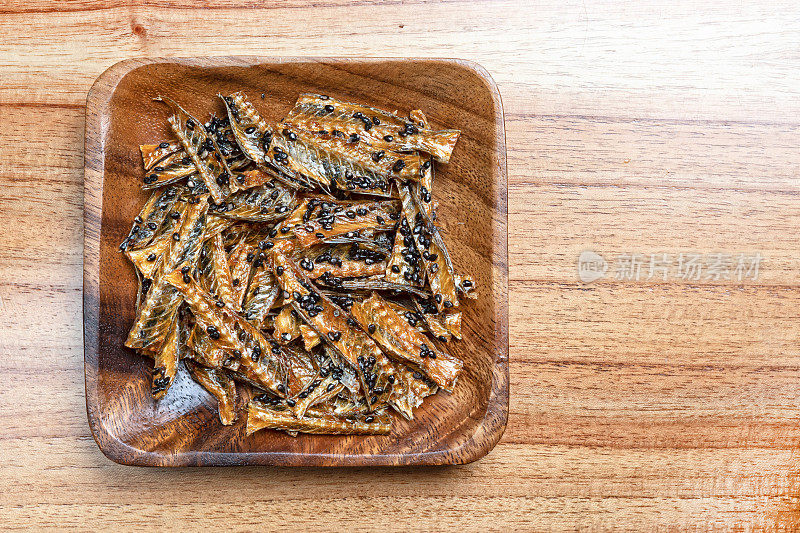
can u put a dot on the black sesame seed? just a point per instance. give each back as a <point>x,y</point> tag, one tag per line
<point>398,165</point>
<point>250,130</point>
<point>163,145</point>
<point>151,257</point>
<point>291,403</point>
<point>176,236</point>
<point>190,124</point>
<point>354,138</point>
<point>329,108</point>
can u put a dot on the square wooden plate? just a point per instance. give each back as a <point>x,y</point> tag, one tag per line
<point>183,428</point>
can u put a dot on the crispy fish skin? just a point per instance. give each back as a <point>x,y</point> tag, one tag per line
<point>376,215</point>
<point>158,309</point>
<point>434,255</point>
<point>255,137</point>
<point>261,294</point>
<point>220,385</point>
<point>212,167</point>
<point>259,417</point>
<point>214,273</point>
<point>381,129</point>
<point>403,263</point>
<point>311,338</point>
<point>404,343</point>
<point>180,165</point>
<point>344,261</point>
<point>264,203</point>
<point>412,388</point>
<point>427,311</point>
<point>206,352</point>
<point>147,259</point>
<point>322,388</point>
<point>287,326</point>
<point>251,132</point>
<point>152,154</point>
<point>150,218</point>
<point>352,166</point>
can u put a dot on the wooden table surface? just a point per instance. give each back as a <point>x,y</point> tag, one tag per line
<point>634,129</point>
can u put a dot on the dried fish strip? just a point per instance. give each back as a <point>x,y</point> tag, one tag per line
<point>159,308</point>
<point>150,218</point>
<point>377,216</point>
<point>259,417</point>
<point>438,268</point>
<point>379,128</point>
<point>219,384</point>
<point>212,167</point>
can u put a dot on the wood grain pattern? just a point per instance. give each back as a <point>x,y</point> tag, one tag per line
<point>634,406</point>
<point>182,429</point>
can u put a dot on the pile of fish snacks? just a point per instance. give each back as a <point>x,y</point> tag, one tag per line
<point>295,267</point>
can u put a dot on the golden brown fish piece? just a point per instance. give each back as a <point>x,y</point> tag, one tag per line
<point>412,388</point>
<point>255,138</point>
<point>147,259</point>
<point>220,385</point>
<point>287,326</point>
<point>150,218</point>
<point>260,416</point>
<point>430,316</point>
<point>214,274</point>
<point>161,304</point>
<point>262,294</point>
<point>211,166</point>
<point>231,332</point>
<point>343,261</point>
<point>331,158</point>
<point>376,215</point>
<point>404,343</point>
<point>438,269</point>
<point>381,129</point>
<point>311,338</point>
